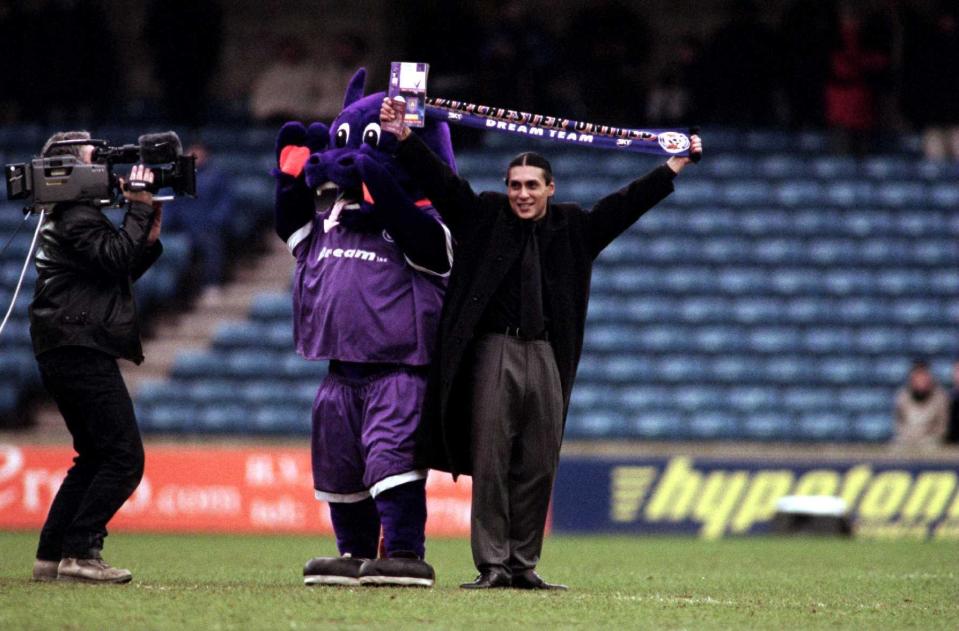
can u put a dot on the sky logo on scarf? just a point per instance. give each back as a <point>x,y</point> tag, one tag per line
<point>352,253</point>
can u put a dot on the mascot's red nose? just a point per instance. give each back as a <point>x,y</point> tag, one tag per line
<point>292,159</point>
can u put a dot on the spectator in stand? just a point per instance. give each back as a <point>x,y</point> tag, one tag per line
<point>295,87</point>
<point>930,94</point>
<point>922,409</point>
<point>852,95</point>
<point>206,219</point>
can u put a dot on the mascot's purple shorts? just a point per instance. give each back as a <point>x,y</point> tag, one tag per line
<point>372,259</point>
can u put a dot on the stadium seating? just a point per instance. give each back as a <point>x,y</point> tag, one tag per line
<point>780,294</point>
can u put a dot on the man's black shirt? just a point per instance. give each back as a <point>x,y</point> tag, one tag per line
<point>505,307</point>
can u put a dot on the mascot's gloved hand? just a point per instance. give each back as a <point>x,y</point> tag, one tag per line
<point>294,199</point>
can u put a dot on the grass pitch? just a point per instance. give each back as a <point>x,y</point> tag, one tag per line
<point>234,582</point>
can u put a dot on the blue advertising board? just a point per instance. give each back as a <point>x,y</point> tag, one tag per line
<point>713,498</point>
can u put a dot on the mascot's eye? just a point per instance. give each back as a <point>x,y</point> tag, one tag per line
<point>342,135</point>
<point>371,135</point>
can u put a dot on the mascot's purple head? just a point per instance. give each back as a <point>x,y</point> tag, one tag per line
<point>356,130</point>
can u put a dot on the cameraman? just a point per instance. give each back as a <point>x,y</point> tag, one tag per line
<point>82,318</point>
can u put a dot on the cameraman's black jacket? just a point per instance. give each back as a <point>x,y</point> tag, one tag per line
<point>85,273</point>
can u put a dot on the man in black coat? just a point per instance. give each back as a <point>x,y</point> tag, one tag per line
<point>511,335</point>
<point>82,318</point>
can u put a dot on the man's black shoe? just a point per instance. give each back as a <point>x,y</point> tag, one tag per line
<point>531,580</point>
<point>488,580</point>
<point>403,569</point>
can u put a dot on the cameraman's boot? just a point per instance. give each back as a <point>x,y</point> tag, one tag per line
<point>94,570</point>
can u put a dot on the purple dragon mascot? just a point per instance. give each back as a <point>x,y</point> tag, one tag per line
<point>372,259</point>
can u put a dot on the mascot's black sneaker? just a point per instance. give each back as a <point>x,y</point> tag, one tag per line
<point>403,569</point>
<point>344,570</point>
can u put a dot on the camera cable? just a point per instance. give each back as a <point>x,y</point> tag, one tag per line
<point>26,265</point>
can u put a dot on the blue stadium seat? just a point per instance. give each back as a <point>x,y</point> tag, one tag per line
<point>660,424</point>
<point>800,398</point>
<point>628,369</point>
<point>598,424</point>
<point>794,192</point>
<point>934,252</point>
<point>773,339</point>
<point>862,310</point>
<point>696,309</point>
<point>844,370</point>
<point>792,281</point>
<point>759,310</point>
<point>928,340</point>
<point>776,166</point>
<point>720,339</point>
<point>745,192</point>
<point>899,194</point>
<point>686,280</point>
<point>823,426</point>
<point>842,282</point>
<point>744,280</point>
<point>712,425</point>
<point>642,396</point>
<point>768,425</point>
<point>748,399</point>
<point>223,418</point>
<point>884,167</point>
<point>697,399</point>
<point>945,196</point>
<point>875,340</point>
<point>825,340</point>
<point>867,223</point>
<point>712,221</point>
<point>791,369</point>
<point>862,400</point>
<point>833,167</point>
<point>944,282</point>
<point>890,370</point>
<point>280,419</point>
<point>872,426</point>
<point>733,369</point>
<point>765,221</point>
<point>680,369</point>
<point>169,417</point>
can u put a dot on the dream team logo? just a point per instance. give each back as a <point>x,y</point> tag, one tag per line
<point>351,253</point>
<point>673,141</point>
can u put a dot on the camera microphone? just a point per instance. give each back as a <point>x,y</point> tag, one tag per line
<point>160,148</point>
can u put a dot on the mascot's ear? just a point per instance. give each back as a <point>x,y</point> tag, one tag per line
<point>354,91</point>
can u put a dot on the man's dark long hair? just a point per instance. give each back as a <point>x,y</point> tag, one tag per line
<point>531,159</point>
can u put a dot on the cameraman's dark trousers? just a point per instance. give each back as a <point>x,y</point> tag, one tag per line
<point>89,390</point>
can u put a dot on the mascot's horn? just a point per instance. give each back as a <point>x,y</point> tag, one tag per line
<point>354,91</point>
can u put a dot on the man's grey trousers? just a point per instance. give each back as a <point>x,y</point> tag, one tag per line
<point>517,429</point>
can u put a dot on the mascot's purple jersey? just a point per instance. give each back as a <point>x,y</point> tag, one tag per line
<point>357,298</point>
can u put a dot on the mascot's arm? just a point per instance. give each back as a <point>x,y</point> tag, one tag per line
<point>293,210</point>
<point>451,195</point>
<point>424,240</point>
